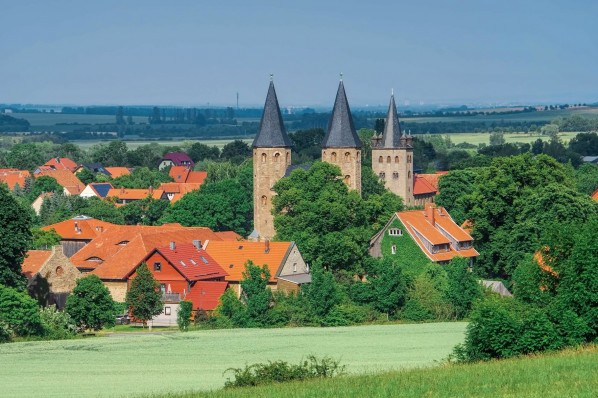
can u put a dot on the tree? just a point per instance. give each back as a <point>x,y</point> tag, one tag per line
<point>144,298</point>
<point>141,178</point>
<point>389,287</point>
<point>90,305</point>
<point>585,144</point>
<point>497,138</point>
<point>463,287</point>
<point>145,211</point>
<point>120,116</point>
<point>183,317</point>
<point>25,156</point>
<point>255,293</point>
<point>19,312</point>
<point>43,184</point>
<point>199,152</point>
<point>322,293</point>
<point>15,230</point>
<point>587,178</point>
<point>236,151</point>
<point>551,130</point>
<point>86,176</point>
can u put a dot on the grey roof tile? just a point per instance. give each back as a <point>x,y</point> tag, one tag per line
<point>341,131</point>
<point>272,133</point>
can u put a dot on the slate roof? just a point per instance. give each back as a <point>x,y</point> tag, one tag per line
<point>272,133</point>
<point>341,131</point>
<point>96,168</point>
<point>391,137</point>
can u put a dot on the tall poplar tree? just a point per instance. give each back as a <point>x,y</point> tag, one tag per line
<point>144,298</point>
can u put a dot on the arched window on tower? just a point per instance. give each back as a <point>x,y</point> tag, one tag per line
<point>388,159</point>
<point>264,157</point>
<point>264,200</point>
<point>381,159</point>
<point>287,159</point>
<point>395,175</point>
<point>348,180</point>
<point>277,157</point>
<point>408,174</point>
<point>396,159</point>
<point>347,156</point>
<point>382,175</point>
<point>333,157</point>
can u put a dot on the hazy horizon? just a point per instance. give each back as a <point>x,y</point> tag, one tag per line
<point>190,54</point>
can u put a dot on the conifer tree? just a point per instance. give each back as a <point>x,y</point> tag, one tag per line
<point>144,298</point>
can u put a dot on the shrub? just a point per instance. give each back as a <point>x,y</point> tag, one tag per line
<point>463,288</point>
<point>58,325</point>
<point>426,298</point>
<point>19,313</point>
<point>281,371</point>
<point>5,333</point>
<point>183,318</point>
<point>349,314</point>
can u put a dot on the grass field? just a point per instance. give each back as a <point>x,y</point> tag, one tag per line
<point>572,373</point>
<point>484,138</point>
<point>177,362</point>
<point>86,144</point>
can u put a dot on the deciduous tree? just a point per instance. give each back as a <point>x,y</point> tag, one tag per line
<point>90,305</point>
<point>144,297</point>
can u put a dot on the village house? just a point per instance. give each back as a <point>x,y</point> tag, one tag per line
<point>14,177</point>
<point>288,270</point>
<point>117,171</point>
<point>96,189</point>
<point>65,178</point>
<point>123,195</point>
<point>175,159</point>
<point>59,164</point>
<point>185,181</point>
<point>432,230</point>
<point>53,270</point>
<point>77,232</point>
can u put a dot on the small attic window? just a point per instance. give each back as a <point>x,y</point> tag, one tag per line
<point>241,247</point>
<point>182,263</point>
<point>192,262</point>
<point>395,232</point>
<point>203,259</point>
<point>96,259</point>
<point>123,243</point>
<point>231,265</point>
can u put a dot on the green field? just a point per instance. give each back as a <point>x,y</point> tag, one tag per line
<point>572,373</point>
<point>484,138</point>
<point>132,144</point>
<point>178,362</point>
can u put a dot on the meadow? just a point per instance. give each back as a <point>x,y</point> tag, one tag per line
<point>178,362</point>
<point>571,373</point>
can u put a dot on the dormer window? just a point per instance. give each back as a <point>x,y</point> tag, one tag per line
<point>123,243</point>
<point>395,232</point>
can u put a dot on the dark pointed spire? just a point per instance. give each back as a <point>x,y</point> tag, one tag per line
<point>272,133</point>
<point>341,131</point>
<point>391,138</point>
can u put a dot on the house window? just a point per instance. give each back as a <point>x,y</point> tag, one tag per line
<point>381,159</point>
<point>59,271</point>
<point>388,159</point>
<point>157,266</point>
<point>382,175</point>
<point>294,267</point>
<point>167,311</point>
<point>348,179</point>
<point>395,232</point>
<point>408,174</point>
<point>395,175</point>
<point>394,249</point>
<point>163,288</point>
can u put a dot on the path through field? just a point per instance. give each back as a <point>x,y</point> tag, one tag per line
<point>132,365</point>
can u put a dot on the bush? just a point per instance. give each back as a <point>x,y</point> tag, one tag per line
<point>5,333</point>
<point>349,314</point>
<point>183,318</point>
<point>58,325</point>
<point>19,313</point>
<point>280,371</point>
<point>426,297</point>
<point>91,305</point>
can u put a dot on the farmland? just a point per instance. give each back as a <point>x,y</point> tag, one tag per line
<point>178,362</point>
<point>571,373</point>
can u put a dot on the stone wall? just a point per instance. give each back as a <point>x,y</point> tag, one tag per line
<point>60,273</point>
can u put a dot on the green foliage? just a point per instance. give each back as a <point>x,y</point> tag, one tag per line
<point>58,325</point>
<point>532,284</point>
<point>141,178</point>
<point>236,152</point>
<point>26,156</point>
<point>90,305</point>
<point>19,312</point>
<point>454,189</point>
<point>42,184</point>
<point>146,211</point>
<point>225,205</point>
<point>5,332</point>
<point>307,145</point>
<point>199,152</point>
<point>255,293</point>
<point>112,154</point>
<point>15,230</point>
<point>144,297</point>
<point>44,240</point>
<point>585,144</point>
<point>183,318</point>
<point>587,178</point>
<point>463,288</point>
<point>230,311</point>
<point>427,296</point>
<point>322,293</point>
<point>103,210</point>
<point>281,371</point>
<point>414,260</point>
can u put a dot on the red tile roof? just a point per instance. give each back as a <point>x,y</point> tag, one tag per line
<point>193,264</point>
<point>595,195</point>
<point>230,236</point>
<point>422,186</point>
<point>34,261</point>
<point>134,194</point>
<point>61,164</point>
<point>432,179</point>
<point>116,253</point>
<point>206,295</point>
<point>175,191</point>
<point>232,256</point>
<point>117,171</point>
<point>433,224</point>
<point>12,177</point>
<point>65,179</point>
<point>79,228</point>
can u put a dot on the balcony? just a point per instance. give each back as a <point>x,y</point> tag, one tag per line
<point>171,297</point>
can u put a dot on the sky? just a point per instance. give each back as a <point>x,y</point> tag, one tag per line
<point>199,53</point>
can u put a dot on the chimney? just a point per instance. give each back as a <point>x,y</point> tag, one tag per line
<point>267,246</point>
<point>77,229</point>
<point>197,244</point>
<point>430,212</point>
<point>122,190</point>
<point>151,190</point>
<point>172,246</point>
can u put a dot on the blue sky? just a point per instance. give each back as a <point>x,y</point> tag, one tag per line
<point>200,52</point>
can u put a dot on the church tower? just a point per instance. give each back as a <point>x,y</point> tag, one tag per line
<point>341,145</point>
<point>271,157</point>
<point>392,157</point>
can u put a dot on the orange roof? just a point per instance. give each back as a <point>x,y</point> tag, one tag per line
<point>185,174</point>
<point>595,195</point>
<point>432,179</point>
<point>61,164</point>
<point>467,226</point>
<point>117,171</point>
<point>119,250</point>
<point>232,256</point>
<point>206,295</point>
<point>79,228</point>
<point>422,186</point>
<point>34,261</point>
<point>12,177</point>
<point>66,179</point>
<point>437,231</point>
<point>229,236</point>
<point>197,177</point>
<point>175,190</point>
<point>134,194</point>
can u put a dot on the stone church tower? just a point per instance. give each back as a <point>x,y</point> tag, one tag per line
<point>392,157</point>
<point>271,157</point>
<point>341,145</point>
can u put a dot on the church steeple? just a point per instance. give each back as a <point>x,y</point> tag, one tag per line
<point>272,133</point>
<point>341,131</point>
<point>391,138</point>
